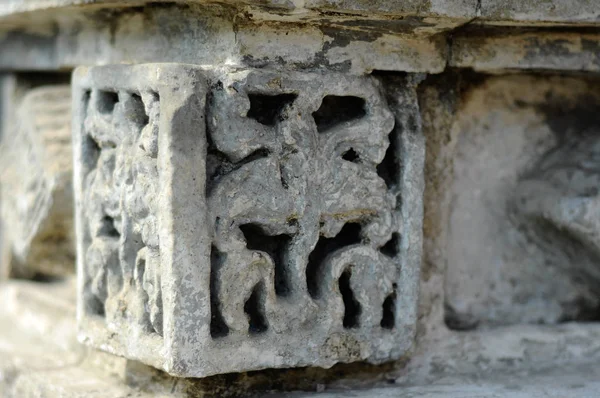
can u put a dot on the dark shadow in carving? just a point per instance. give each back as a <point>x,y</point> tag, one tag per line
<point>106,101</point>
<point>284,182</point>
<point>137,111</point>
<point>90,152</point>
<point>108,228</point>
<point>388,319</point>
<point>349,235</point>
<point>254,308</point>
<point>218,164</point>
<point>352,308</point>
<point>351,156</point>
<point>276,247</point>
<point>391,248</point>
<point>338,109</point>
<point>218,327</point>
<point>456,320</point>
<point>389,168</point>
<point>266,109</point>
<point>95,306</point>
<point>140,270</point>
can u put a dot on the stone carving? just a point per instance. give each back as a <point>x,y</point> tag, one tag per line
<point>559,198</point>
<point>120,198</point>
<point>231,221</point>
<point>523,188</point>
<point>292,162</point>
<point>35,179</point>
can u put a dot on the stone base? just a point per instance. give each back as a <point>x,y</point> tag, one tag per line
<point>39,353</point>
<point>577,381</point>
<point>40,357</point>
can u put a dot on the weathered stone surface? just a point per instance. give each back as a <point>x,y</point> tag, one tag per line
<point>523,190</point>
<point>215,201</point>
<point>39,357</point>
<point>581,12</point>
<point>39,353</point>
<point>489,50</point>
<point>35,179</point>
<point>575,381</point>
<point>353,36</point>
<point>576,11</point>
<point>278,223</point>
<point>215,34</point>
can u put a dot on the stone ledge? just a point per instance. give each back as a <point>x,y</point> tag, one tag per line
<point>39,354</point>
<point>573,51</point>
<point>489,11</point>
<point>574,382</point>
<point>34,363</point>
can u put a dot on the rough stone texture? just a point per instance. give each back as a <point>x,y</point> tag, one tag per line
<point>489,50</point>
<point>39,353</point>
<point>548,11</point>
<point>35,180</point>
<point>574,382</point>
<point>578,12</point>
<point>354,36</point>
<point>442,353</point>
<point>510,229</point>
<point>284,218</point>
<point>515,268</point>
<point>39,357</point>
<point>216,34</point>
<point>450,8</point>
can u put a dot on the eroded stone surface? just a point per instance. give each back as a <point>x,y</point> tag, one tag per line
<point>524,193</point>
<point>270,229</point>
<point>35,178</point>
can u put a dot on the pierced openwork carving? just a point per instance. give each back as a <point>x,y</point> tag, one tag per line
<point>246,212</point>
<point>300,211</point>
<point>120,130</point>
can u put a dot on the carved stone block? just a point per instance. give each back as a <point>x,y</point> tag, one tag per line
<point>239,220</point>
<point>35,179</point>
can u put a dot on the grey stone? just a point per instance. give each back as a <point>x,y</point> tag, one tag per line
<point>39,353</point>
<point>559,196</point>
<point>576,11</point>
<point>526,50</point>
<point>39,357</point>
<point>239,220</point>
<point>541,11</point>
<point>523,192</point>
<point>35,179</point>
<point>208,34</point>
<point>575,381</point>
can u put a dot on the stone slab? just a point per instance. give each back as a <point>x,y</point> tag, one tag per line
<point>534,361</point>
<point>575,381</point>
<point>581,12</point>
<point>209,34</point>
<point>488,11</point>
<point>577,11</point>
<point>39,353</point>
<point>549,51</point>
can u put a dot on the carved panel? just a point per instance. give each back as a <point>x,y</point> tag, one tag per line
<point>35,176</point>
<point>523,188</point>
<point>270,233</point>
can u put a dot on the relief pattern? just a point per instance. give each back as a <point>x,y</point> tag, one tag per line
<point>243,210</point>
<point>121,132</point>
<point>300,210</point>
